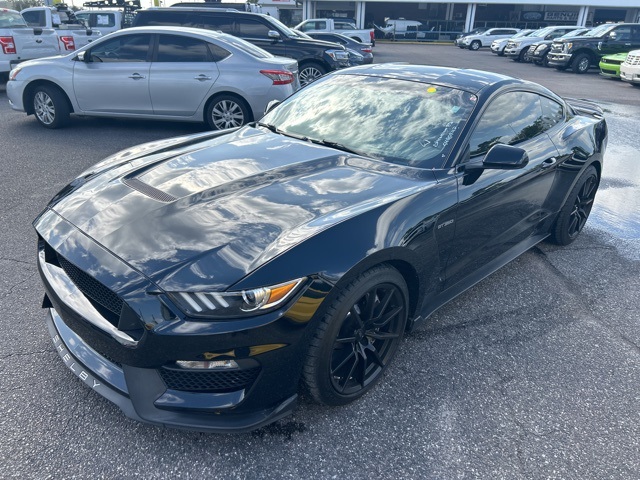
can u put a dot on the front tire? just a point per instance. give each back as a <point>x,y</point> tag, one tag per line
<point>475,45</point>
<point>581,63</point>
<point>227,111</point>
<point>50,106</point>
<point>358,337</point>
<point>310,72</point>
<point>576,210</point>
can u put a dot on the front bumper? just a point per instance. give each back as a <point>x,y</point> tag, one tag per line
<point>141,394</point>
<point>14,93</point>
<point>631,75</point>
<point>512,52</point>
<point>559,59</point>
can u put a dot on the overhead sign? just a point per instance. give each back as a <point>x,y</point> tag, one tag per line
<point>561,16</point>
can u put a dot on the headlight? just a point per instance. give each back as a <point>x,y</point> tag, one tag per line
<point>567,46</point>
<point>541,48</point>
<point>516,44</point>
<point>234,304</point>
<point>14,73</point>
<point>338,55</point>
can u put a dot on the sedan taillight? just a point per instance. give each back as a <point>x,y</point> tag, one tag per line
<point>366,50</point>
<point>68,43</point>
<point>8,45</point>
<point>279,77</point>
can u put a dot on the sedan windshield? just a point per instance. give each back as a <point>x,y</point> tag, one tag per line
<point>400,121</point>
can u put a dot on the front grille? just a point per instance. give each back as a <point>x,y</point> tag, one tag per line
<point>633,60</point>
<point>207,380</point>
<point>610,72</point>
<point>91,287</point>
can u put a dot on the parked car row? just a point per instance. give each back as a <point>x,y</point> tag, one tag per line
<point>570,47</point>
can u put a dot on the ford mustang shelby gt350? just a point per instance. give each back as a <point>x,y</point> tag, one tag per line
<point>199,282</point>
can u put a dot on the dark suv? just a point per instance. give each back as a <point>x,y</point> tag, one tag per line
<point>315,57</point>
<point>580,53</point>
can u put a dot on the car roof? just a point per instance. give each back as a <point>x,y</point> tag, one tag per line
<point>467,79</point>
<point>177,30</point>
<point>223,11</point>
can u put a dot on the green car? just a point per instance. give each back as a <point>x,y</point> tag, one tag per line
<point>610,64</point>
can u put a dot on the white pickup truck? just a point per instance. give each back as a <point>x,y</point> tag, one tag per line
<point>334,25</point>
<point>71,32</point>
<point>19,42</point>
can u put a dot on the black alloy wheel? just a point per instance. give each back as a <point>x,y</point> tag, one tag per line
<point>576,210</point>
<point>358,337</point>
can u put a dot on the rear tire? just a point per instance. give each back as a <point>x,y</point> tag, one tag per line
<point>310,72</point>
<point>50,106</point>
<point>576,210</point>
<point>358,337</point>
<point>227,111</point>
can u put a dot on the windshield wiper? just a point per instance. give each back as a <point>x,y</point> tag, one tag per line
<point>339,146</point>
<point>275,129</point>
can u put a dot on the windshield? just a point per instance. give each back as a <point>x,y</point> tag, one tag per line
<point>524,33</point>
<point>574,33</point>
<point>9,19</point>
<point>599,31</point>
<point>399,121</point>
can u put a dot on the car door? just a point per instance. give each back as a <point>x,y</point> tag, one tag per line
<point>619,40</point>
<point>499,210</point>
<point>182,73</point>
<point>114,78</point>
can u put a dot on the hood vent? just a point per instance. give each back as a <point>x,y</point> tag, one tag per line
<point>148,190</point>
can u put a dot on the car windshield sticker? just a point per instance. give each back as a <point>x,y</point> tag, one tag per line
<point>432,90</point>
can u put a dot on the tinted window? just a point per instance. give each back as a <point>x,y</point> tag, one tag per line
<point>623,34</point>
<point>34,19</point>
<point>552,113</point>
<point>247,28</point>
<point>511,118</point>
<point>129,48</point>
<point>222,24</point>
<point>174,48</point>
<point>218,53</point>
<point>162,18</point>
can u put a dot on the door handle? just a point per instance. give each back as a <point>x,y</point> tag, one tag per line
<point>137,76</point>
<point>548,162</point>
<point>38,41</point>
<point>202,77</point>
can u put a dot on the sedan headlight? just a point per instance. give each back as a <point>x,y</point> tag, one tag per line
<point>516,44</point>
<point>541,48</point>
<point>235,304</point>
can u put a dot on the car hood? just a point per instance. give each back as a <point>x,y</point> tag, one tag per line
<point>208,213</point>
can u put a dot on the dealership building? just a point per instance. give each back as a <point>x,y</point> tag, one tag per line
<point>459,15</point>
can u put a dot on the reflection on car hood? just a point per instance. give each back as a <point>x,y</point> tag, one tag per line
<point>223,207</point>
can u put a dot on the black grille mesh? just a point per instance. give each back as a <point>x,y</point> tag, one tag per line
<point>208,381</point>
<point>92,288</point>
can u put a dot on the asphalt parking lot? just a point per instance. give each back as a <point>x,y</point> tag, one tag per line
<point>534,373</point>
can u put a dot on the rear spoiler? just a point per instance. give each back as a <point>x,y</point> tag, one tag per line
<point>585,107</point>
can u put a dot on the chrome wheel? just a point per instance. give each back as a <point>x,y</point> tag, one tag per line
<point>310,74</point>
<point>227,113</point>
<point>44,108</point>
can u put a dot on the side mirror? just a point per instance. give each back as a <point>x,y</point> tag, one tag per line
<point>274,35</point>
<point>613,35</point>
<point>82,57</point>
<point>505,157</point>
<point>271,105</point>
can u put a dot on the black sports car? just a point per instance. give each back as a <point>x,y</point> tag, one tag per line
<point>201,281</point>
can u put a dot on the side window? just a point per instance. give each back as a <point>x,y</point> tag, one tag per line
<point>552,113</point>
<point>174,48</point>
<point>129,48</point>
<point>510,119</point>
<point>623,34</point>
<point>161,18</point>
<point>211,22</point>
<point>35,19</point>
<point>247,28</point>
<point>635,34</point>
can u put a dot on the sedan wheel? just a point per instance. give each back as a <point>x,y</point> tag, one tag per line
<point>574,213</point>
<point>475,45</point>
<point>310,73</point>
<point>358,337</point>
<point>50,107</point>
<point>227,112</point>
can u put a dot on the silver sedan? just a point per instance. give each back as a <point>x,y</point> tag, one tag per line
<point>166,73</point>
